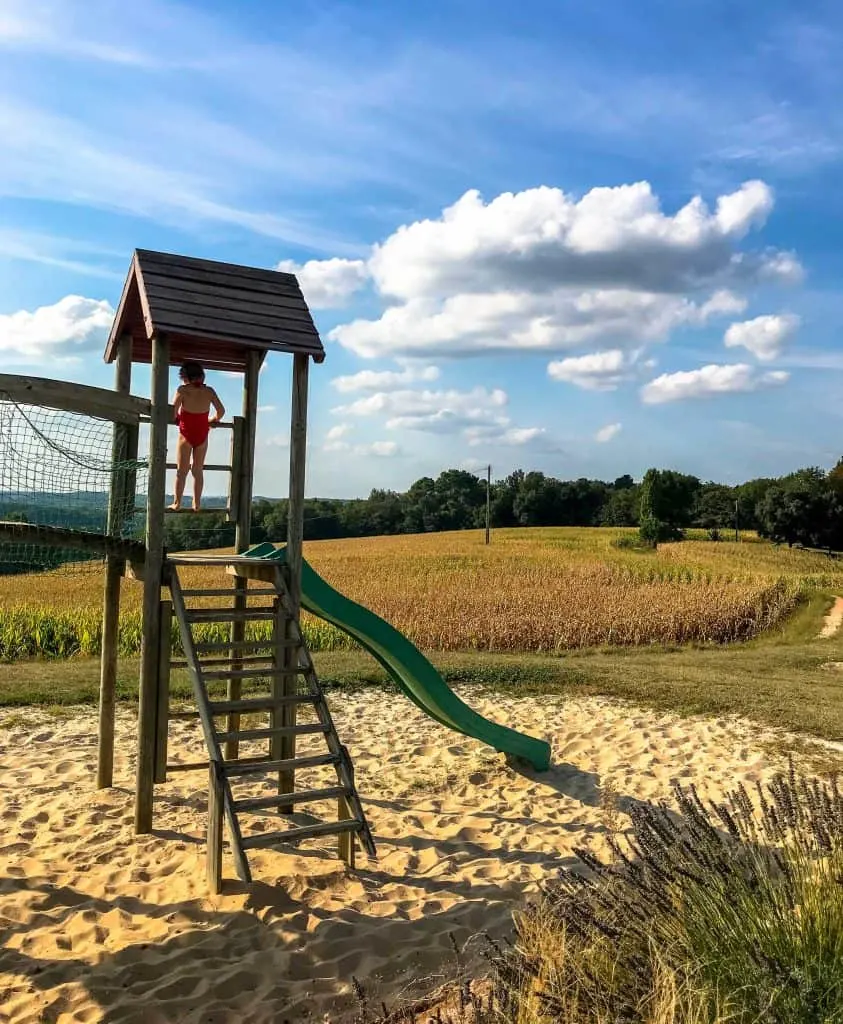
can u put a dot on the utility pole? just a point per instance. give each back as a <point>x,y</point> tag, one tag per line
<point>488,499</point>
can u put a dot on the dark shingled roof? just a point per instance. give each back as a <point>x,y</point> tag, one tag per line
<point>212,312</point>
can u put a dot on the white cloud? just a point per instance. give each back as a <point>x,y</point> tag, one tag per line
<point>383,449</point>
<point>440,412</point>
<point>598,371</point>
<point>277,441</point>
<point>605,434</point>
<point>507,437</point>
<point>540,270</point>
<point>266,408</point>
<point>334,438</point>
<point>326,284</point>
<point>765,336</point>
<point>376,380</point>
<point>708,381</point>
<point>62,331</point>
<point>338,431</point>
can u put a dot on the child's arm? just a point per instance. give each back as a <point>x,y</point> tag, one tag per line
<point>218,406</point>
<point>177,404</point>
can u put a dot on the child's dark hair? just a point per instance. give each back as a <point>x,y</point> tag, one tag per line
<point>192,372</point>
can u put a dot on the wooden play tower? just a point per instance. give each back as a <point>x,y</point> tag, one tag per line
<point>226,317</point>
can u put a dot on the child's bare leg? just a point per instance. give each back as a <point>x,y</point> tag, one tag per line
<point>198,470</point>
<point>182,467</point>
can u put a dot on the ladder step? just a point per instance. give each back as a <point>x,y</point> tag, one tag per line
<point>229,592</point>
<point>295,835</point>
<point>216,467</point>
<point>229,614</point>
<point>223,707</point>
<point>253,673</point>
<point>246,768</point>
<point>265,734</point>
<point>258,803</point>
<point>225,661</point>
<point>195,766</point>
<point>243,645</point>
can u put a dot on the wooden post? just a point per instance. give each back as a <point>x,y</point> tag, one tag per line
<point>244,466</point>
<point>163,703</point>
<point>215,812</point>
<point>295,541</point>
<point>152,579</point>
<point>118,501</point>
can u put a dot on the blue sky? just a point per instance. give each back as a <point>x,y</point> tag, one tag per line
<point>581,238</point>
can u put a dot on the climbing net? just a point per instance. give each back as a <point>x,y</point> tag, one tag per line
<point>57,469</point>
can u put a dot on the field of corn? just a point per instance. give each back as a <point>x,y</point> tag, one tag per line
<point>530,590</point>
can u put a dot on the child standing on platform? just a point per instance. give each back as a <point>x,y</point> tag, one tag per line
<point>191,406</point>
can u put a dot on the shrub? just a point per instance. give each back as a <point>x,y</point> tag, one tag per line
<point>728,913</point>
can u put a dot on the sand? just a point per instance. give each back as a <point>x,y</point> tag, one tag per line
<point>832,621</point>
<point>97,925</point>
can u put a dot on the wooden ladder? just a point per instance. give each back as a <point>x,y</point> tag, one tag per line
<point>281,680</point>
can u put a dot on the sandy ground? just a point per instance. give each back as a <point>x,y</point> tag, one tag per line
<point>833,620</point>
<point>97,925</point>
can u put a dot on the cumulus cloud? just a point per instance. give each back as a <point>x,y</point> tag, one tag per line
<point>383,449</point>
<point>376,380</point>
<point>542,270</point>
<point>439,412</point>
<point>765,336</point>
<point>605,434</point>
<point>507,437</point>
<point>266,408</point>
<point>334,438</point>
<point>598,371</point>
<point>708,381</point>
<point>62,331</point>
<point>277,441</point>
<point>326,284</point>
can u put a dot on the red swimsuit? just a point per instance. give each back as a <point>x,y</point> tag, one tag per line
<point>194,427</point>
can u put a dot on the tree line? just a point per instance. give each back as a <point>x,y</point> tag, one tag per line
<point>804,507</point>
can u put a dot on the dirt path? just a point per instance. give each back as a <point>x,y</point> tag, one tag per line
<point>832,621</point>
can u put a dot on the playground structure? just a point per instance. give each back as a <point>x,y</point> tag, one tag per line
<point>226,317</point>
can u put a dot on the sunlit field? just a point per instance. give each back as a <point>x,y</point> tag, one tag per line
<point>530,590</point>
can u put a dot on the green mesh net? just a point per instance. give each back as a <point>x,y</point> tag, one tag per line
<point>57,471</point>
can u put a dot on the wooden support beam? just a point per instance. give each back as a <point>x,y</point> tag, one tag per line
<point>295,541</point>
<point>118,505</point>
<point>215,815</point>
<point>72,540</point>
<point>163,702</point>
<point>116,406</point>
<point>153,578</point>
<point>244,473</point>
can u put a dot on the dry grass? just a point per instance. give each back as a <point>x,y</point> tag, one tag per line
<point>531,590</point>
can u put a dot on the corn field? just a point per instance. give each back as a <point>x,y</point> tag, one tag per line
<point>531,590</point>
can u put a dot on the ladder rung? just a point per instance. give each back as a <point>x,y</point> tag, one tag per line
<point>253,673</point>
<point>303,796</point>
<point>195,766</point>
<point>243,645</point>
<point>246,768</point>
<point>229,614</point>
<point>295,835</point>
<point>228,592</point>
<point>216,467</point>
<point>225,661</point>
<point>265,734</point>
<point>223,707</point>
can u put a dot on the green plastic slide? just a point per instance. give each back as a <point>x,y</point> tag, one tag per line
<point>406,664</point>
